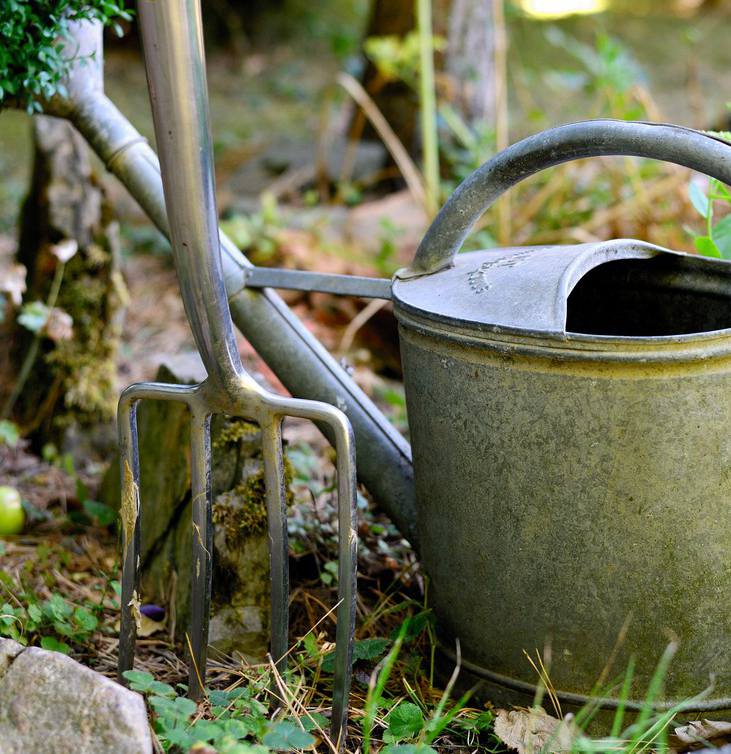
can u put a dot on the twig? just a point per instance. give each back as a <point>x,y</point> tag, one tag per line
<point>428,106</point>
<point>359,321</point>
<point>401,157</point>
<point>501,109</point>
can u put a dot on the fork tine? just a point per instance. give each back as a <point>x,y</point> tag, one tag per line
<point>347,575</point>
<point>200,478</point>
<point>276,501</point>
<point>341,434</point>
<point>130,510</point>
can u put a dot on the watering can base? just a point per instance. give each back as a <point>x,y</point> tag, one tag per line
<point>501,691</point>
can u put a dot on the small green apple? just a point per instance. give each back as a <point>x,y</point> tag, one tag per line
<point>12,515</point>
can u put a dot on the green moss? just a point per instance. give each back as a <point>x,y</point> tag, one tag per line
<point>84,367</point>
<point>242,511</point>
<point>235,430</point>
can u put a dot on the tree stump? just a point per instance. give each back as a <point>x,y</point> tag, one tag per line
<point>241,592</point>
<point>73,382</point>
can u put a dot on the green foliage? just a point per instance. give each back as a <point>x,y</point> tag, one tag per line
<point>405,721</point>
<point>363,649</point>
<point>9,433</point>
<point>716,241</point>
<point>238,723</point>
<point>397,58</point>
<point>258,233</point>
<point>605,71</point>
<point>32,59</point>
<point>649,728</point>
<point>93,512</point>
<point>52,622</point>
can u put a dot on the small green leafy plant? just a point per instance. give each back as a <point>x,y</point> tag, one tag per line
<point>716,241</point>
<point>257,233</point>
<point>92,511</point>
<point>53,622</point>
<point>33,61</point>
<point>236,724</point>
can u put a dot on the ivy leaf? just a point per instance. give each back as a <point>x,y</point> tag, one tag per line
<point>180,737</point>
<point>139,680</point>
<point>9,433</point>
<point>405,721</point>
<point>706,246</point>
<point>314,720</point>
<point>33,316</point>
<point>363,649</point>
<point>698,198</point>
<point>285,735</point>
<point>54,645</point>
<point>85,621</point>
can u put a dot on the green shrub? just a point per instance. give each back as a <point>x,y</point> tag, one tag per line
<point>32,57</point>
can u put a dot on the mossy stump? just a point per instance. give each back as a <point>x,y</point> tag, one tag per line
<point>241,592</point>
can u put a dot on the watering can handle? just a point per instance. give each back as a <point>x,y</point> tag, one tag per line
<point>479,191</point>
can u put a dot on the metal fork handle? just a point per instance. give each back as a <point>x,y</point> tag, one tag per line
<point>172,40</point>
<point>479,191</point>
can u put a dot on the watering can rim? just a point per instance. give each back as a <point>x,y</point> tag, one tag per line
<point>523,292</point>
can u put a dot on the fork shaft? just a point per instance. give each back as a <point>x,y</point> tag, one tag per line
<point>276,501</point>
<point>200,480</point>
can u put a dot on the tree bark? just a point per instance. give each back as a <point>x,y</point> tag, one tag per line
<point>395,99</point>
<point>73,381</point>
<point>470,57</point>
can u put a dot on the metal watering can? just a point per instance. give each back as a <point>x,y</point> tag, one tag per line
<point>569,412</point>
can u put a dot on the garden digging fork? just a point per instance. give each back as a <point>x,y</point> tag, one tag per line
<point>175,62</point>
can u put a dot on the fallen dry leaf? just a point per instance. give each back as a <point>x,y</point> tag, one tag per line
<point>59,325</point>
<point>530,731</point>
<point>148,627</point>
<point>12,282</point>
<point>64,250</point>
<point>698,734</point>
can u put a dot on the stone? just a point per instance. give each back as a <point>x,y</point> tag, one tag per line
<point>51,704</point>
<point>9,650</point>
<point>284,156</point>
<point>398,215</point>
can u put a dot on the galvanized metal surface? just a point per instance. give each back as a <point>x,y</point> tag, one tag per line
<point>300,280</point>
<point>173,45</point>
<point>569,421</point>
<point>566,491</point>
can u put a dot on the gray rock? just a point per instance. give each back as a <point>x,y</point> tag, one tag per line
<point>50,704</point>
<point>9,650</point>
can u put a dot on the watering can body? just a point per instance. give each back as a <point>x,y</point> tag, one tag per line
<point>569,413</point>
